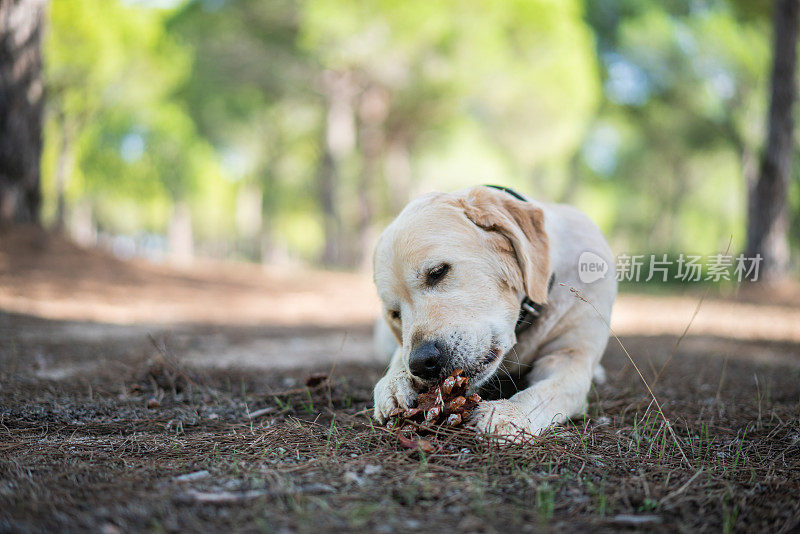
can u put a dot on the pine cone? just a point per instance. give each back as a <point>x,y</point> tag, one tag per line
<point>445,404</point>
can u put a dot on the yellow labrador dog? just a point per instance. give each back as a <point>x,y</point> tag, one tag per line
<point>483,278</point>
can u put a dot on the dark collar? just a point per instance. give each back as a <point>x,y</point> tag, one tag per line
<point>529,310</point>
<point>509,191</point>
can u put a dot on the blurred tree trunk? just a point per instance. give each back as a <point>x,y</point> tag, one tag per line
<point>21,100</point>
<point>330,217</point>
<point>181,241</point>
<point>83,229</point>
<point>398,173</point>
<point>338,142</point>
<point>249,218</point>
<point>767,224</point>
<point>268,209</point>
<point>62,174</point>
<point>373,109</point>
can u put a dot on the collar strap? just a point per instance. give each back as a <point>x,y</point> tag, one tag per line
<point>529,310</point>
<point>509,191</point>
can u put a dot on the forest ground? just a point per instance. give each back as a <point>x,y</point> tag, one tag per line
<point>141,397</point>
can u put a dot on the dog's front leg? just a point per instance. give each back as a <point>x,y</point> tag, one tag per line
<point>559,384</point>
<point>394,390</point>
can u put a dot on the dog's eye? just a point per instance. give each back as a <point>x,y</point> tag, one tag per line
<point>395,314</point>
<point>436,275</point>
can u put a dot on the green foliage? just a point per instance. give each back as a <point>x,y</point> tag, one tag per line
<point>683,121</point>
<point>112,72</point>
<point>650,117</point>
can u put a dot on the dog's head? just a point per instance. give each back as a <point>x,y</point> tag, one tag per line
<point>451,271</point>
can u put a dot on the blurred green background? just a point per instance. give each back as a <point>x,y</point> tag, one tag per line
<point>273,130</point>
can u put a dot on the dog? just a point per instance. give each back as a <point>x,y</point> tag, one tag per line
<point>486,280</point>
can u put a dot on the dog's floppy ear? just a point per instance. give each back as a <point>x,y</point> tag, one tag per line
<point>522,224</point>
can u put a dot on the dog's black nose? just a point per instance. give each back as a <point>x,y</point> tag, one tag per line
<point>426,360</point>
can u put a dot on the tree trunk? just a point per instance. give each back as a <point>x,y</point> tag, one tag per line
<point>21,99</point>
<point>373,109</point>
<point>62,175</point>
<point>81,224</point>
<point>330,215</point>
<point>398,174</point>
<point>181,241</point>
<point>269,207</point>
<point>767,214</point>
<point>338,144</point>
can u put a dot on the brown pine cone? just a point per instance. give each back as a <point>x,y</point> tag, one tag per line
<point>445,404</point>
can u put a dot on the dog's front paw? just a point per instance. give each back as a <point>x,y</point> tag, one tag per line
<point>502,419</point>
<point>392,392</point>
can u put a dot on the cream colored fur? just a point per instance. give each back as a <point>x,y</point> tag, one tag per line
<point>499,249</point>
